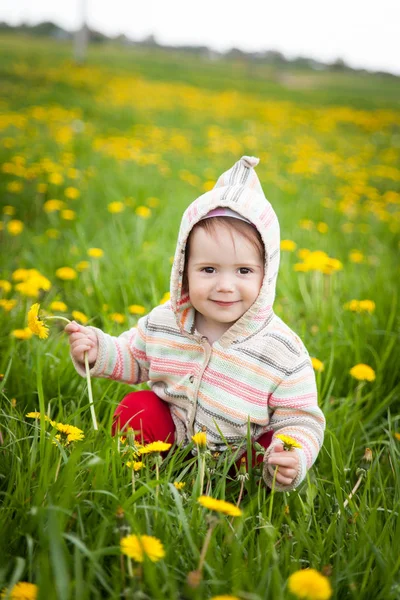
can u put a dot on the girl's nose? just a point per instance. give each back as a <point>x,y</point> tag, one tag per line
<point>224,284</point>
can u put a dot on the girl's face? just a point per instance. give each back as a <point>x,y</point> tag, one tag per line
<point>224,276</point>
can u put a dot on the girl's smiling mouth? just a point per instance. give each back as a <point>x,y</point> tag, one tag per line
<point>220,303</point>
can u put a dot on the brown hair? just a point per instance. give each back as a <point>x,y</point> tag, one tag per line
<point>238,226</point>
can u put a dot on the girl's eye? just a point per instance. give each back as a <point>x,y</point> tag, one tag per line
<point>244,270</point>
<point>208,269</point>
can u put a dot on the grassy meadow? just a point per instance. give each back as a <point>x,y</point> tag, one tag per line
<point>98,163</point>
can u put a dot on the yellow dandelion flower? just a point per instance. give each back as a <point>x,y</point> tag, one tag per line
<point>14,187</point>
<point>5,285</point>
<point>288,442</point>
<point>136,465</point>
<point>22,334</point>
<point>155,447</point>
<point>20,274</point>
<point>36,415</point>
<point>306,224</point>
<point>53,205</point>
<point>38,280</point>
<point>331,265</point>
<point>360,306</point>
<point>66,273</point>
<point>72,173</point>
<point>356,256</point>
<point>7,305</point>
<point>9,210</point>
<point>367,306</point>
<point>143,211</point>
<point>322,227</point>
<point>53,234</point>
<point>80,316</point>
<point>35,324</point>
<point>68,433</point>
<point>136,309</point>
<point>362,372</point>
<point>200,439</point>
<point>83,265</point>
<point>309,584</point>
<point>141,547</point>
<point>317,365</point>
<point>15,227</point>
<point>95,252</point>
<point>117,318</point>
<point>72,193</point>
<point>21,591</point>
<point>397,436</point>
<point>42,188</point>
<point>115,207</point>
<point>302,253</point>
<point>179,485</point>
<point>220,506</point>
<point>68,215</point>
<point>302,267</point>
<point>352,305</point>
<point>58,306</point>
<point>288,245</point>
<point>29,289</point>
<point>56,179</point>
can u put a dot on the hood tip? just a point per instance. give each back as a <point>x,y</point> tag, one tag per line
<point>250,161</point>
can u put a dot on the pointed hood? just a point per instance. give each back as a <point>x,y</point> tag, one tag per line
<point>240,190</point>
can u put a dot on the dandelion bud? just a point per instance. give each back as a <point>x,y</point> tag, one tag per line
<point>327,570</point>
<point>243,474</point>
<point>365,461</point>
<point>368,455</point>
<point>194,578</point>
<point>120,513</point>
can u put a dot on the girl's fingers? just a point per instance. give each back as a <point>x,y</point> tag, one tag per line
<point>284,480</point>
<point>79,337</point>
<point>79,353</point>
<point>291,473</point>
<point>282,460</point>
<point>79,349</point>
<point>71,327</point>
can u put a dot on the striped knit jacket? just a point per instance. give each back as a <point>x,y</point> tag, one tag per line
<point>257,375</point>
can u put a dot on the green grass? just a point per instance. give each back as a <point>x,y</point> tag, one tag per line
<point>63,511</point>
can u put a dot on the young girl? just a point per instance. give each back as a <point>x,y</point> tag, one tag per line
<point>215,356</point>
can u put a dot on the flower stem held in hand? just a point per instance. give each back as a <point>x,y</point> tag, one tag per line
<point>89,386</point>
<point>37,326</point>
<point>88,379</point>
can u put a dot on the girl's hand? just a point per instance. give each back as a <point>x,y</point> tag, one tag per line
<point>82,339</point>
<point>288,463</point>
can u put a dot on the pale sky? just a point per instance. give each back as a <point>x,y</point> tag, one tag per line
<point>364,33</point>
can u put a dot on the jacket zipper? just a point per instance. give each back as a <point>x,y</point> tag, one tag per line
<point>207,349</point>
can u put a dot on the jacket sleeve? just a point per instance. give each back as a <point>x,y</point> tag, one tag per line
<point>295,413</point>
<point>121,358</point>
